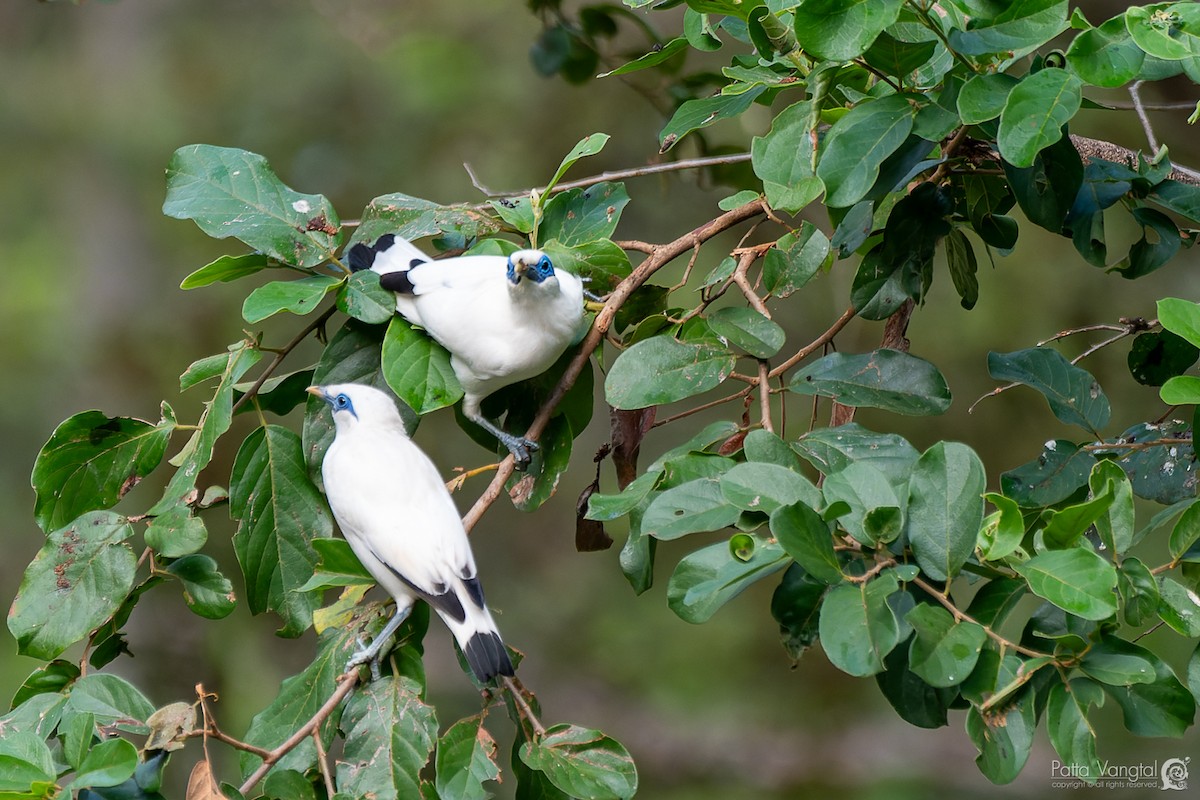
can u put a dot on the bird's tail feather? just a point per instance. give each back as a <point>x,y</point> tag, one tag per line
<point>389,254</point>
<point>481,644</point>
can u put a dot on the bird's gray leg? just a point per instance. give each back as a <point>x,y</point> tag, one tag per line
<point>373,652</point>
<point>520,447</point>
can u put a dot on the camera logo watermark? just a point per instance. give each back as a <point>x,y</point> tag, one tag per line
<point>1169,775</point>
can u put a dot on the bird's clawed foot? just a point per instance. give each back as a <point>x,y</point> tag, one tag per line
<point>372,654</point>
<point>522,450</point>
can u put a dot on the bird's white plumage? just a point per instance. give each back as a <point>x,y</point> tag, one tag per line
<point>497,332</point>
<point>395,512</point>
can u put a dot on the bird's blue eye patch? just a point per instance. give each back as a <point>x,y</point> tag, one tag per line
<point>544,269</point>
<point>342,403</point>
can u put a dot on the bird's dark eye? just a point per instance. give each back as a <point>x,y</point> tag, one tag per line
<point>342,401</point>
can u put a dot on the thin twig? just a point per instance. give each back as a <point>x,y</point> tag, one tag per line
<point>348,681</point>
<point>816,344</point>
<point>962,616</point>
<point>743,283</point>
<point>1135,94</point>
<point>764,395</point>
<point>282,354</point>
<point>662,255</point>
<point>523,706</point>
<point>323,763</point>
<point>704,407</point>
<point>617,175</point>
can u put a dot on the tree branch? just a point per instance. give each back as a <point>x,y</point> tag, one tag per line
<point>616,175</point>
<point>348,682</point>
<point>282,354</point>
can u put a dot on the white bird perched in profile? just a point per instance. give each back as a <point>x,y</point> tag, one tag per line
<point>502,319</point>
<point>394,510</point>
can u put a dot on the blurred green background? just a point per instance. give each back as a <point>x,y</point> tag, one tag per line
<point>361,98</point>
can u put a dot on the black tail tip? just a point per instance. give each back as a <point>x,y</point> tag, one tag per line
<point>362,256</point>
<point>487,657</point>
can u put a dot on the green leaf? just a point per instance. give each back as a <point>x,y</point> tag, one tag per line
<point>806,537</point>
<point>1115,526</point>
<point>76,581</point>
<point>1051,477</point>
<point>279,513</point>
<point>695,114</point>
<point>1077,580</point>
<point>707,579</point>
<point>583,762</point>
<point>1004,740</point>
<point>960,259</point>
<point>1163,470</point>
<point>1179,607</point>
<point>796,606</point>
<point>983,97</point>
<point>25,762</point>
<point>587,146</point>
<point>945,508</point>
<point>1138,590</point>
<point>466,758</point>
<point>228,367</point>
<point>1073,394</point>
<point>765,487</point>
<point>830,450</point>
<point>580,216</point>
<point>865,490</point>
<point>796,257</point>
<point>858,627</point>
<point>176,532</point>
<point>1064,526</point>
<point>538,483</point>
<point>206,591</point>
<point>1186,531</point>
<point>417,368</point>
<point>764,447</point>
<point>914,700</point>
<point>362,298</point>
<point>746,328</point>
<point>943,652</point>
<point>832,30</point>
<point>1106,55</point>
<point>886,379</point>
<point>225,269</point>
<point>1072,735</point>
<point>858,143</point>
<point>1046,191</point>
<point>1165,31</point>
<point>1015,30</point>
<point>299,698</point>
<point>414,218</point>
<point>783,160</point>
<point>1002,530</point>
<point>230,192</point>
<point>605,507</point>
<point>898,57</point>
<point>651,59</point>
<point>50,677</point>
<point>1160,708</point>
<point>1036,112</point>
<point>91,461</point>
<point>390,735</point>
<point>107,764</point>
<point>111,700</point>
<point>336,566</point>
<point>39,715</point>
<point>1181,317</point>
<point>297,297</point>
<point>663,369</point>
<point>601,262</point>
<point>692,507</point>
<point>1116,662</point>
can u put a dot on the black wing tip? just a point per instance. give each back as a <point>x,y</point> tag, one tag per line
<point>487,657</point>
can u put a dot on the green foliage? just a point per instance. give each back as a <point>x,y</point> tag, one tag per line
<point>914,130</point>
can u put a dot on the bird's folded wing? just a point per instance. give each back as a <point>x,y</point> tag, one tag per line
<point>468,273</point>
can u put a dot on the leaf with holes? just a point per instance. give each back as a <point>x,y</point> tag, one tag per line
<point>583,762</point>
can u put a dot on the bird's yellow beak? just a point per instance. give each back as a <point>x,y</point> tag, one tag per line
<point>520,267</point>
<point>316,391</point>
